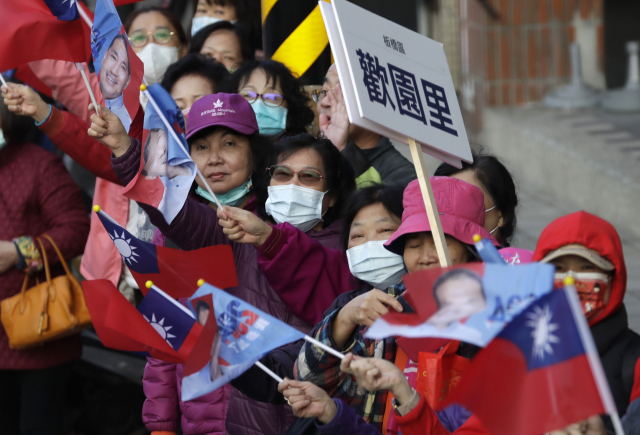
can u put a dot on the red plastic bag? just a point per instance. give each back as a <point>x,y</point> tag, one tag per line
<point>439,372</point>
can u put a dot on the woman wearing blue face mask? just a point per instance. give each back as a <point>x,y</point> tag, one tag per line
<point>277,98</point>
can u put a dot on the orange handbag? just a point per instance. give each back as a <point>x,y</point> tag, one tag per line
<point>439,372</point>
<point>49,311</point>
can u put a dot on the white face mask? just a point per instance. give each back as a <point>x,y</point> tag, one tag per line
<point>376,265</point>
<point>200,23</point>
<point>156,59</point>
<point>299,206</point>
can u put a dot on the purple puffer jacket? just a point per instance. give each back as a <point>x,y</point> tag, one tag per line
<point>196,226</point>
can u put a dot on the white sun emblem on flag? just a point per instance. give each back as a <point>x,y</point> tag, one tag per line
<point>71,2</point>
<point>540,321</point>
<point>160,328</point>
<point>124,247</point>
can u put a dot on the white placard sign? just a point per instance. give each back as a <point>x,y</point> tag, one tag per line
<point>396,82</point>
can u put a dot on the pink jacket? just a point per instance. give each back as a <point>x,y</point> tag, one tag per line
<point>101,259</point>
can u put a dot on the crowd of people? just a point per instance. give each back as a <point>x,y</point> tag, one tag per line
<point>324,222</point>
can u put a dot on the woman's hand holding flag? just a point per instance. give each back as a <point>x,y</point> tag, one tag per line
<point>22,100</point>
<point>242,226</point>
<point>107,128</point>
<point>308,400</point>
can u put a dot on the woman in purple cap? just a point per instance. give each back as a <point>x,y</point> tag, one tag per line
<point>222,133</point>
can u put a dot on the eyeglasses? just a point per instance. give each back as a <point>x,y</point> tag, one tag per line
<point>161,35</point>
<point>282,174</point>
<point>273,100</point>
<point>319,94</point>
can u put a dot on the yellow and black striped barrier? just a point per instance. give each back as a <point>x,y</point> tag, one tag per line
<point>294,34</point>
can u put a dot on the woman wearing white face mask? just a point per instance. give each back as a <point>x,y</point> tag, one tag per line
<point>245,12</point>
<point>158,40</point>
<point>297,268</point>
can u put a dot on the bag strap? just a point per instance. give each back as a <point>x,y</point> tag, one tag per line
<point>60,257</point>
<point>45,259</point>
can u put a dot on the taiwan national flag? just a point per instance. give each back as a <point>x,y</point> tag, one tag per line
<point>41,29</point>
<point>176,272</point>
<point>541,373</point>
<point>160,326</point>
<point>166,168</point>
<point>235,336</point>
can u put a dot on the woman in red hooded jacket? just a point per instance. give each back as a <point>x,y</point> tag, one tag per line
<point>589,248</point>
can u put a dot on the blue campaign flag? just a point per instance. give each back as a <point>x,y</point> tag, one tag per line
<point>235,336</point>
<point>65,10</point>
<point>118,68</point>
<point>139,256</point>
<point>168,317</point>
<point>488,253</point>
<point>168,171</point>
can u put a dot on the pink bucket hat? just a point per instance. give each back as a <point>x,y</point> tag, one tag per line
<point>461,209</point>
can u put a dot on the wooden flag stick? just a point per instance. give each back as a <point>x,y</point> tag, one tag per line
<point>3,82</point>
<point>430,203</point>
<point>80,67</point>
<point>269,372</point>
<point>324,347</point>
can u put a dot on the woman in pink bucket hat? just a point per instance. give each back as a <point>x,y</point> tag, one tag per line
<point>462,211</point>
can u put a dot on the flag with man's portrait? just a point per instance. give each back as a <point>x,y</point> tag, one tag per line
<point>118,68</point>
<point>166,169</point>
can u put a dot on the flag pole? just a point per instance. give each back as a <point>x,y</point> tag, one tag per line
<point>592,354</point>
<point>80,67</point>
<point>269,372</point>
<point>146,93</point>
<point>324,347</point>
<point>3,82</point>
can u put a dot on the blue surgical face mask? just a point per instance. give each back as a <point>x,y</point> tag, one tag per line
<point>3,141</point>
<point>232,198</point>
<point>200,23</point>
<point>271,120</point>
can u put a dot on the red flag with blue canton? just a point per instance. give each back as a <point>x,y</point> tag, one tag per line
<point>535,376</point>
<point>235,335</point>
<point>120,326</point>
<point>176,272</point>
<point>41,29</point>
<point>166,168</point>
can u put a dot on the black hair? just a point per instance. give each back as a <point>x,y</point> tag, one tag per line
<point>17,128</point>
<point>248,14</point>
<point>497,180</point>
<point>122,38</point>
<point>261,149</point>
<point>173,20</point>
<point>389,195</point>
<point>337,170</point>
<point>194,64</point>
<point>299,114</point>
<point>146,153</point>
<point>198,40</point>
<point>456,274</point>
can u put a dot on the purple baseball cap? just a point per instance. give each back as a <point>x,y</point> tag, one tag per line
<point>226,110</point>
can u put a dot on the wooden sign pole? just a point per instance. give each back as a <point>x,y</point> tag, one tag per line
<point>430,203</point>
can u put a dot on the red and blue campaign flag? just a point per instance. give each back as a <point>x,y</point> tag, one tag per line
<point>41,29</point>
<point>235,336</point>
<point>470,302</point>
<point>541,373</point>
<point>166,168</point>
<point>175,271</point>
<point>159,327</point>
<point>118,68</point>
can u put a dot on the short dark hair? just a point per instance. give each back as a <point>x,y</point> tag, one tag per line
<point>202,305</point>
<point>299,114</point>
<point>122,38</point>
<point>173,20</point>
<point>260,146</point>
<point>497,180</point>
<point>17,128</point>
<point>389,195</point>
<point>456,274</point>
<point>146,153</point>
<point>195,64</point>
<point>338,171</point>
<point>248,14</point>
<point>198,40</point>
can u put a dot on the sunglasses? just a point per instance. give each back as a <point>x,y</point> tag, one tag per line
<point>283,174</point>
<point>161,35</point>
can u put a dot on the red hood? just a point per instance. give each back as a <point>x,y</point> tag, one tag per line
<point>593,233</point>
